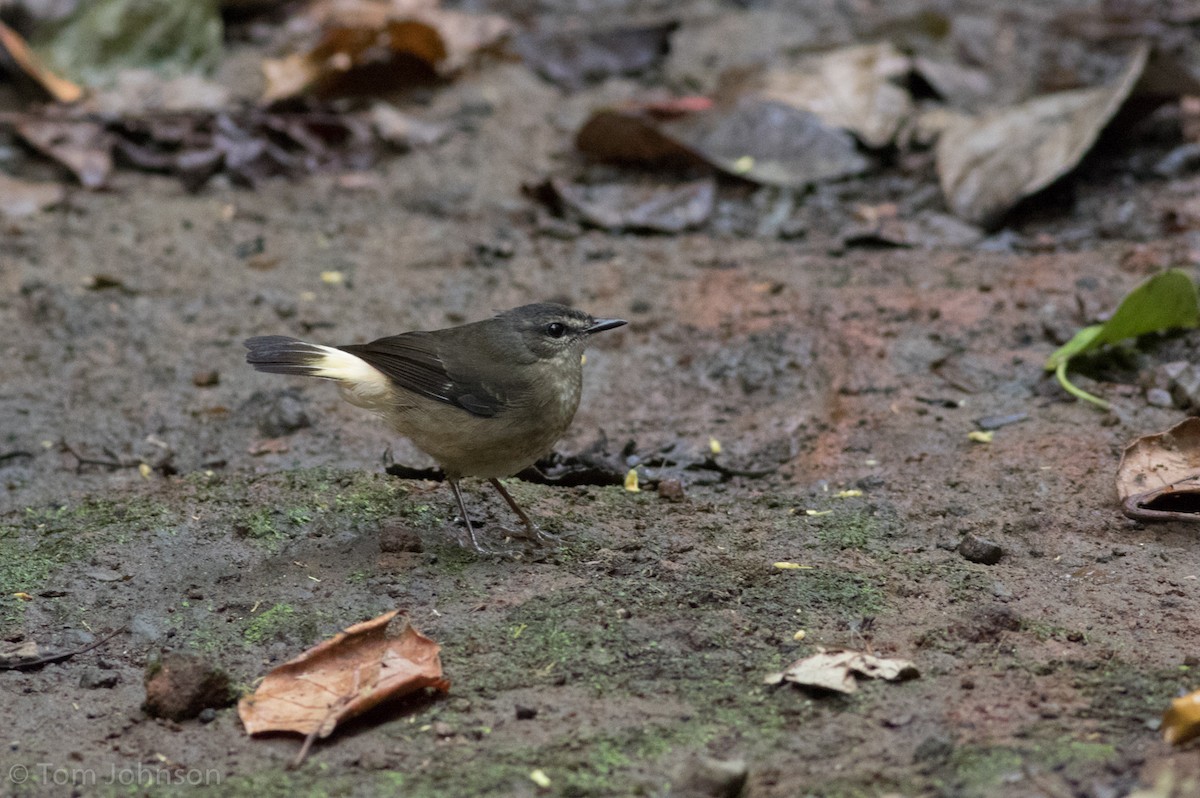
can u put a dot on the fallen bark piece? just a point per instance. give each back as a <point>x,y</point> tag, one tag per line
<point>1158,478</point>
<point>353,671</point>
<point>836,670</point>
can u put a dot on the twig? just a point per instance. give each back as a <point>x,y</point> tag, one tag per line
<point>37,663</point>
<point>112,463</point>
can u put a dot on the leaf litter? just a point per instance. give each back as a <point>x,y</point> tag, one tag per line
<point>838,671</point>
<point>357,669</point>
<point>1158,478</point>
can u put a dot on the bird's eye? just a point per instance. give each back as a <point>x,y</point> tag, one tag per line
<point>556,329</point>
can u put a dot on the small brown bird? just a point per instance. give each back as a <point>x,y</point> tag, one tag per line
<point>485,399</point>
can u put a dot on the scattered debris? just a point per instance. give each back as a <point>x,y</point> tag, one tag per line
<point>836,670</point>
<point>355,670</point>
<point>180,686</point>
<point>1158,478</point>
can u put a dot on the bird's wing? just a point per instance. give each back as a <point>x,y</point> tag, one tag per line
<point>412,362</point>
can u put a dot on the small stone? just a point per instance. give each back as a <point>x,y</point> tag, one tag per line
<point>706,777</point>
<point>443,729</point>
<point>980,550</point>
<point>181,686</point>
<point>671,490</point>
<point>207,715</point>
<point>1050,710</point>
<point>96,679</point>
<point>1157,397</point>
<point>526,713</point>
<point>206,378</point>
<point>1185,388</point>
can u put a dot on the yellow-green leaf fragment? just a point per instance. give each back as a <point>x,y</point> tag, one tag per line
<point>1166,301</point>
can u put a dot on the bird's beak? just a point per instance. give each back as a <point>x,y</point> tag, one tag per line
<point>600,325</point>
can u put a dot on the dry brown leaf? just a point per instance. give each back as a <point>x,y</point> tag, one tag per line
<point>852,88</point>
<point>836,670</point>
<point>82,146</point>
<point>1159,475</point>
<point>344,676</point>
<point>61,89</point>
<point>1181,721</point>
<point>368,47</point>
<point>756,139</point>
<point>988,164</point>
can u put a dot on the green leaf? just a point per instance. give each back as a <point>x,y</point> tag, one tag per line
<point>1166,301</point>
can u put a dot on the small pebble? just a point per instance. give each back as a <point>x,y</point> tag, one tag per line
<point>980,550</point>
<point>671,490</point>
<point>1157,397</point>
<point>96,679</point>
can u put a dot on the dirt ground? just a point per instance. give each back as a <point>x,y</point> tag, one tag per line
<point>641,643</point>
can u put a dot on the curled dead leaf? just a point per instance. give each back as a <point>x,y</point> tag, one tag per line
<point>352,672</point>
<point>1158,478</point>
<point>988,164</point>
<point>836,670</point>
<point>369,47</point>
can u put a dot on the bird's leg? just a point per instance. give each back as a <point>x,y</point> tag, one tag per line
<point>462,508</point>
<point>532,531</point>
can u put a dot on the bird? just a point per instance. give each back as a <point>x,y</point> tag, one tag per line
<point>485,399</point>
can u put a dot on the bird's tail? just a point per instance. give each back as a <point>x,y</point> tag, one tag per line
<point>279,354</point>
